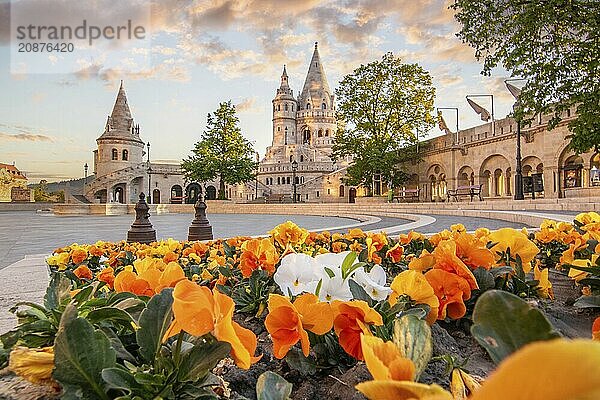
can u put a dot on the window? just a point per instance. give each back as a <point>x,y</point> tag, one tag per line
<point>324,106</point>
<point>125,155</point>
<point>292,107</point>
<point>308,106</point>
<point>318,194</point>
<point>328,191</point>
<point>341,190</point>
<point>291,158</point>
<point>326,132</point>
<point>301,158</point>
<point>595,170</point>
<point>115,154</point>
<point>279,180</point>
<point>287,180</point>
<point>278,107</point>
<point>278,128</point>
<point>320,134</point>
<point>285,107</point>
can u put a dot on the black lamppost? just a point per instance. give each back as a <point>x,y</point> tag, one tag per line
<point>294,169</point>
<point>149,176</point>
<point>256,181</point>
<point>85,169</point>
<point>455,109</point>
<point>519,173</point>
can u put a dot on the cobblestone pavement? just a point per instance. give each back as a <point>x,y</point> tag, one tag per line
<point>23,233</point>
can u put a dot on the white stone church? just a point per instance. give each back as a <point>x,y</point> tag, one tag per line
<point>303,132</point>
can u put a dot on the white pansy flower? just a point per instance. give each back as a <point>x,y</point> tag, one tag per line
<point>335,288</point>
<point>373,282</point>
<point>297,273</point>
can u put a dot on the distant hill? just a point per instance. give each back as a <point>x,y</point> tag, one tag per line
<point>75,185</point>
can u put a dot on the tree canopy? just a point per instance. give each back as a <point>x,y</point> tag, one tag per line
<point>554,45</point>
<point>381,107</point>
<point>222,152</point>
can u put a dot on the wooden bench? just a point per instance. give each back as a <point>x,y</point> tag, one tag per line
<point>462,191</point>
<point>178,199</point>
<point>407,195</point>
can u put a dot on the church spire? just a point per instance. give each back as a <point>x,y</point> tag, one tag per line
<point>284,79</point>
<point>120,123</point>
<point>315,85</point>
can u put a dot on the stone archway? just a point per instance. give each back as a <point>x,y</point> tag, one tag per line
<point>352,195</point>
<point>176,194</point>
<point>211,193</point>
<point>465,176</point>
<point>493,176</point>
<point>192,192</point>
<point>436,174</point>
<point>156,196</point>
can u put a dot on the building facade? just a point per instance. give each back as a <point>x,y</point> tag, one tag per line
<point>13,185</point>
<point>303,132</point>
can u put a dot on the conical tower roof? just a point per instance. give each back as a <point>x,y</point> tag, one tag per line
<point>120,123</point>
<point>284,91</point>
<point>315,85</point>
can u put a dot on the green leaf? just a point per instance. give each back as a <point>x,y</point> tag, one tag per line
<point>296,360</point>
<point>347,264</point>
<point>109,314</point>
<point>359,293</point>
<point>496,272</point>
<point>197,362</point>
<point>587,302</point>
<point>485,279</point>
<point>412,335</point>
<point>122,379</point>
<point>503,323</point>
<point>271,386</point>
<point>58,291</point>
<point>80,355</point>
<point>154,322</point>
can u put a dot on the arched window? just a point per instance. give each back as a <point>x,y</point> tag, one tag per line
<point>285,107</point>
<point>301,158</point>
<point>341,190</point>
<point>308,106</point>
<point>324,106</point>
<point>287,180</point>
<point>125,155</point>
<point>279,180</point>
<point>326,132</point>
<point>595,170</point>
<point>115,154</point>
<point>278,107</point>
<point>320,134</point>
<point>291,158</point>
<point>278,128</point>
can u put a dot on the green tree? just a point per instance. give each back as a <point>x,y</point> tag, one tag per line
<point>381,107</point>
<point>553,44</point>
<point>222,152</point>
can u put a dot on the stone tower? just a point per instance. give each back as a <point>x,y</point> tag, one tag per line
<point>315,120</point>
<point>284,114</point>
<point>120,145</point>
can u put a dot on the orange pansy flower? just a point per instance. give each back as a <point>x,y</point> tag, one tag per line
<point>289,233</point>
<point>395,253</point>
<point>446,259</point>
<point>128,281</point>
<point>425,261</point>
<point>83,272</point>
<point>287,323</point>
<point>414,285</point>
<point>473,252</point>
<point>451,290</point>
<point>258,254</point>
<point>169,257</point>
<point>351,319</point>
<point>518,243</point>
<point>199,311</point>
<point>596,329</point>
<point>107,275</point>
<point>385,361</point>
<point>78,256</point>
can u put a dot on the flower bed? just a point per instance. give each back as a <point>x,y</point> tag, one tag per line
<point>244,317</point>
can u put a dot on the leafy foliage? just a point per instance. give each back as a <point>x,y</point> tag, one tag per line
<point>271,386</point>
<point>503,323</point>
<point>382,105</point>
<point>222,152</point>
<point>554,45</point>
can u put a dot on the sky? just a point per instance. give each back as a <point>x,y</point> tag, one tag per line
<point>201,53</point>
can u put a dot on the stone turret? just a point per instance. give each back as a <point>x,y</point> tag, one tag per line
<point>120,145</point>
<point>284,113</point>
<point>315,121</point>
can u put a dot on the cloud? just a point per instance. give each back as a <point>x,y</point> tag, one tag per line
<point>25,137</point>
<point>248,105</point>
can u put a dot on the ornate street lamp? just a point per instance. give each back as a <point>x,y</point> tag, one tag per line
<point>515,91</point>
<point>85,169</point>
<point>256,181</point>
<point>294,169</point>
<point>149,176</point>
<point>484,114</point>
